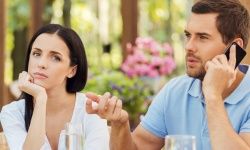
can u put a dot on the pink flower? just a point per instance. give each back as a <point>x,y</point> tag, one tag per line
<point>156,61</point>
<point>148,58</point>
<point>168,48</point>
<point>141,69</point>
<point>126,68</point>
<point>153,74</point>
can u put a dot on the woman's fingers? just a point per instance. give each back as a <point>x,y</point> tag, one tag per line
<point>24,80</point>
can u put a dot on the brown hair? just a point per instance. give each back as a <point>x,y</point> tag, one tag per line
<point>233,20</point>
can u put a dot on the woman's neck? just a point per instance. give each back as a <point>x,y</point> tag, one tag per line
<point>58,99</point>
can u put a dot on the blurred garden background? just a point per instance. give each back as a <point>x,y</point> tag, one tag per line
<point>133,46</point>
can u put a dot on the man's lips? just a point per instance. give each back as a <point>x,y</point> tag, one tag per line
<point>192,61</point>
<point>39,75</point>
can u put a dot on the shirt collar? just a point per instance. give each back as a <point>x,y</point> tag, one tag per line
<point>195,88</point>
<point>242,90</point>
<point>236,96</point>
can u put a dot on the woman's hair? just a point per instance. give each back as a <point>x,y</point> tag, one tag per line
<point>77,57</point>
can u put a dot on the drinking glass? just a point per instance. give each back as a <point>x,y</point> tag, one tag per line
<point>73,137</point>
<point>180,142</point>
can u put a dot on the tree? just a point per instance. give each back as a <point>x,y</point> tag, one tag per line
<point>66,13</point>
<point>129,11</point>
<point>2,48</point>
<point>36,11</point>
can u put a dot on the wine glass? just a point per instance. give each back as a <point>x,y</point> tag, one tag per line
<point>73,137</point>
<point>180,142</point>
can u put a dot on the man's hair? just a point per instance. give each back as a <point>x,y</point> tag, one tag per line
<point>233,19</point>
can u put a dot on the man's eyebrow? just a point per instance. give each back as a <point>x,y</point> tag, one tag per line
<point>186,32</point>
<point>198,33</point>
<point>203,34</point>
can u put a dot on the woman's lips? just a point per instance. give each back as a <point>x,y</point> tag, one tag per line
<point>38,75</point>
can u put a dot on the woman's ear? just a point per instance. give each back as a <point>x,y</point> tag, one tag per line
<point>239,41</point>
<point>72,71</point>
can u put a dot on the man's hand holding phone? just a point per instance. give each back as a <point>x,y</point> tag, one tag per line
<point>220,73</point>
<point>240,53</point>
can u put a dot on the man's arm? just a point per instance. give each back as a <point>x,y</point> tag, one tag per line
<point>145,140</point>
<point>221,132</point>
<point>220,80</point>
<point>110,108</point>
<point>120,137</point>
<point>245,137</point>
<point>140,139</point>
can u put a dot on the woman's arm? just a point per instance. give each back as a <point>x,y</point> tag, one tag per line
<point>36,132</point>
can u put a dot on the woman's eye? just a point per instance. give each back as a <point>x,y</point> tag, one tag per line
<point>36,54</point>
<point>56,58</point>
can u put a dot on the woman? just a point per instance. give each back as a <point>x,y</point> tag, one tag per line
<point>55,71</point>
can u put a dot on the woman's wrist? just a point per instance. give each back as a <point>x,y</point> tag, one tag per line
<point>41,99</point>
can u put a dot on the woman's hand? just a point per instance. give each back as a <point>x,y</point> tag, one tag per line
<point>26,84</point>
<point>108,107</point>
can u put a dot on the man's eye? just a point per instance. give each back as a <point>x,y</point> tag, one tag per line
<point>203,37</point>
<point>187,36</point>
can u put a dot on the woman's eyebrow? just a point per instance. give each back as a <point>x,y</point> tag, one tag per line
<point>37,49</point>
<point>51,51</point>
<point>55,52</point>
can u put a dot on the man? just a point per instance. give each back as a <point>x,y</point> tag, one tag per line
<point>211,102</point>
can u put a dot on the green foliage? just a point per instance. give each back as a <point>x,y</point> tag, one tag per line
<point>132,91</point>
<point>18,14</point>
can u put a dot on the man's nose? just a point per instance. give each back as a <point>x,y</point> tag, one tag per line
<point>190,45</point>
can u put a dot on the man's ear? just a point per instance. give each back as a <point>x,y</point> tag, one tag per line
<point>239,41</point>
<point>72,71</point>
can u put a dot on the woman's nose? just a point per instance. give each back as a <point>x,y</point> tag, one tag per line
<point>43,63</point>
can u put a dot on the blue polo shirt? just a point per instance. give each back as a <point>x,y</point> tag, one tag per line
<point>179,108</point>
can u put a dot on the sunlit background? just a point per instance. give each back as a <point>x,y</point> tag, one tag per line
<point>133,46</point>
<point>162,20</point>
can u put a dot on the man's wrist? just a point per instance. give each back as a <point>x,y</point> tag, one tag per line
<point>214,102</point>
<point>213,97</point>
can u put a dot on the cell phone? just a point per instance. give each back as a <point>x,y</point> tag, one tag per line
<point>240,53</point>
